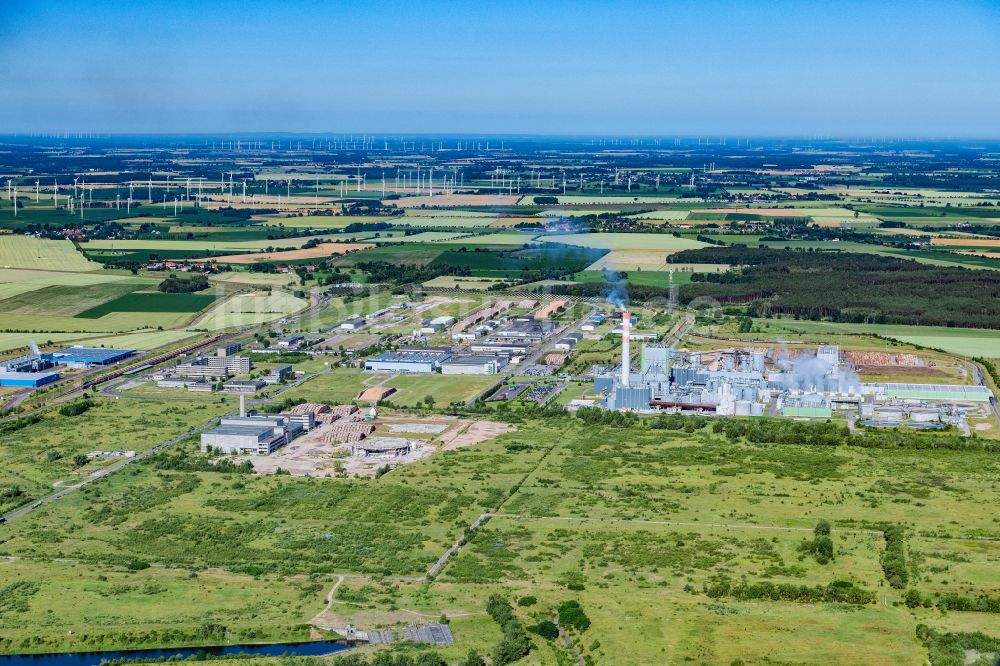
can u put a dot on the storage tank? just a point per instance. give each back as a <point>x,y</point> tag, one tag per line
<point>757,409</point>
<point>743,408</point>
<point>924,415</point>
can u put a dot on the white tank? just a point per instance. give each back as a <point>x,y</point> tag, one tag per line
<point>743,408</point>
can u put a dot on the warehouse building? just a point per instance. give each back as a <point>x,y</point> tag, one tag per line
<point>258,434</point>
<point>416,360</point>
<point>567,343</point>
<point>28,379</point>
<point>86,357</point>
<point>480,364</point>
<point>279,374</point>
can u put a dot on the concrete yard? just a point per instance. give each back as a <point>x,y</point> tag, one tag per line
<point>311,455</point>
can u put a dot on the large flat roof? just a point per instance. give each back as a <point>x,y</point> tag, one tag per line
<point>91,354</point>
<point>32,376</point>
<point>241,430</point>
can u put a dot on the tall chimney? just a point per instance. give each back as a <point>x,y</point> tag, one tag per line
<point>243,405</point>
<point>626,354</point>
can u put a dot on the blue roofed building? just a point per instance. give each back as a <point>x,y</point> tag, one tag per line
<point>85,357</point>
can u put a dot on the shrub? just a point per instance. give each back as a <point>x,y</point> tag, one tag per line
<point>546,629</point>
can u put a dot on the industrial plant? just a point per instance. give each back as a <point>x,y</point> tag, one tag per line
<point>757,381</point>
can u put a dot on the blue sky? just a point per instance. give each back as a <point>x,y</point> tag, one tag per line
<point>905,68</point>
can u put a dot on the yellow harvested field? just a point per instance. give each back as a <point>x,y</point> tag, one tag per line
<point>442,200</point>
<point>321,250</point>
<point>248,309</point>
<point>263,279</point>
<point>988,255</point>
<point>18,251</point>
<point>967,242</point>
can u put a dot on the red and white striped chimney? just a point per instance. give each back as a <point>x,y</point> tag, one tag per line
<point>626,353</point>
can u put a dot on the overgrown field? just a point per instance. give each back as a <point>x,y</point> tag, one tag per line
<point>677,542</point>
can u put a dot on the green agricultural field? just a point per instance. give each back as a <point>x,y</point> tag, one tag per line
<point>204,245</point>
<point>69,301</point>
<point>18,251</point>
<point>10,341</point>
<point>151,302</point>
<point>20,281</point>
<point>962,341</point>
<point>143,340</point>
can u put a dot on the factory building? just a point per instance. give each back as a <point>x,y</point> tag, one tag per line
<point>215,366</point>
<point>33,362</point>
<point>237,386</point>
<point>86,357</point>
<point>568,342</point>
<point>230,349</point>
<point>728,383</point>
<point>279,374</point>
<point>254,435</point>
<point>523,330</point>
<point>416,360</point>
<point>353,324</point>
<point>27,379</point>
<point>291,342</point>
<point>479,364</point>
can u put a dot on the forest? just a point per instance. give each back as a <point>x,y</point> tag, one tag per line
<point>845,286</point>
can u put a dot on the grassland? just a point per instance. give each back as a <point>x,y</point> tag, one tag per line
<point>445,390</point>
<point>632,523</point>
<point>35,457</point>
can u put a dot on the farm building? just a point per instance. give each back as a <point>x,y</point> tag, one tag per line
<point>85,357</point>
<point>482,364</point>
<point>28,379</point>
